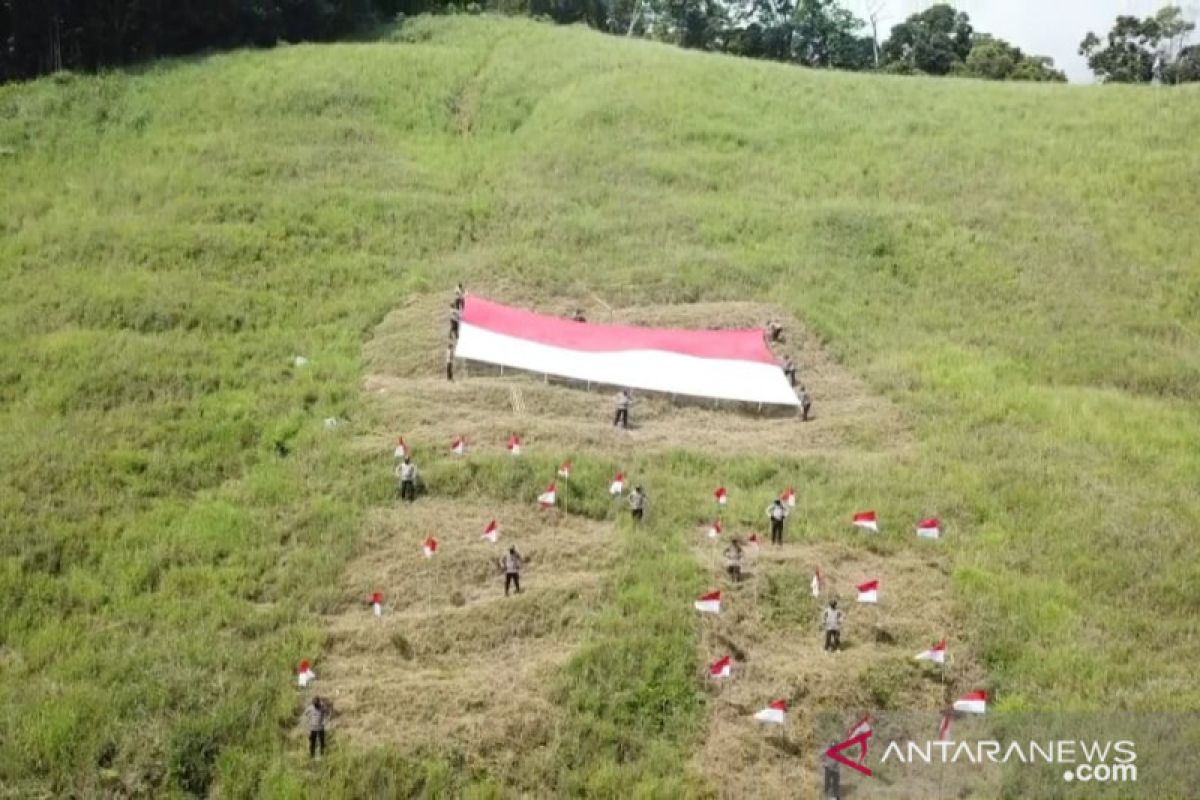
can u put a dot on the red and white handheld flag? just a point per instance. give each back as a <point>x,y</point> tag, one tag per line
<point>773,714</point>
<point>564,471</point>
<point>721,668</point>
<point>514,445</point>
<point>929,528</point>
<point>753,541</point>
<point>816,582</point>
<point>709,603</point>
<point>491,532</point>
<point>715,529</point>
<point>458,446</point>
<point>788,498</point>
<point>401,449</point>
<point>868,592</point>
<point>944,728</point>
<point>304,674</point>
<point>936,653</point>
<point>867,520</point>
<point>429,546</point>
<point>547,498</point>
<point>972,703</point>
<point>721,496</point>
<point>377,603</point>
<point>618,484</point>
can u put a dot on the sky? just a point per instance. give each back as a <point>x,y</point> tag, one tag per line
<point>1041,27</point>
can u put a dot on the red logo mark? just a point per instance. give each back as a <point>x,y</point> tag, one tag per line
<point>859,741</point>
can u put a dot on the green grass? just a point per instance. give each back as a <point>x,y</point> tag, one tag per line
<point>1015,266</point>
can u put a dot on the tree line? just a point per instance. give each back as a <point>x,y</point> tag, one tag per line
<point>41,36</point>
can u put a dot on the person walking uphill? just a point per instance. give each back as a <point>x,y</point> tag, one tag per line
<point>733,560</point>
<point>511,563</point>
<point>831,621</point>
<point>406,473</point>
<point>624,400</point>
<point>777,513</point>
<point>315,716</point>
<point>637,504</point>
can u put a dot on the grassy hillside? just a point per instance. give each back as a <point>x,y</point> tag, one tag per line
<point>1013,267</point>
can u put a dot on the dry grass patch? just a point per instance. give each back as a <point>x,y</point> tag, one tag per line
<point>405,362</point>
<point>770,625</point>
<point>453,665</point>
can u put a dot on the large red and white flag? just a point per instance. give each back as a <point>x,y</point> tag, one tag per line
<point>867,520</point>
<point>564,471</point>
<point>788,498</point>
<point>548,497</point>
<point>377,603</point>
<point>715,529</point>
<point>868,592</point>
<point>458,446</point>
<point>514,445</point>
<point>722,364</point>
<point>401,448</point>
<point>429,546</point>
<point>929,528</point>
<point>972,703</point>
<point>944,727</point>
<point>618,484</point>
<point>936,653</point>
<point>721,496</point>
<point>721,668</point>
<point>709,603</point>
<point>773,714</point>
<point>816,582</point>
<point>491,532</point>
<point>304,674</point>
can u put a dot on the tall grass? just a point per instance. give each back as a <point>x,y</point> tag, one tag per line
<point>1015,266</point>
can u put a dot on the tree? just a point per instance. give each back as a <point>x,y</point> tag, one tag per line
<point>995,59</point>
<point>1135,46</point>
<point>826,36</point>
<point>933,41</point>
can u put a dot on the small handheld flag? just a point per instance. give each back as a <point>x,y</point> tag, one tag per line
<point>816,582</point>
<point>458,446</point>
<point>564,471</point>
<point>868,592</point>
<point>721,668</point>
<point>429,546</point>
<point>773,714</point>
<point>936,653</point>
<point>944,728</point>
<point>753,541</point>
<point>514,445</point>
<point>721,496</point>
<point>972,703</point>
<point>709,603</point>
<point>547,498</point>
<point>491,532</point>
<point>867,521</point>
<point>377,603</point>
<point>401,449</point>
<point>788,498</point>
<point>618,484</point>
<point>304,674</point>
<point>929,528</point>
<point>715,529</point>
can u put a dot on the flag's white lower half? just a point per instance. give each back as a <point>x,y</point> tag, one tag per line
<point>653,370</point>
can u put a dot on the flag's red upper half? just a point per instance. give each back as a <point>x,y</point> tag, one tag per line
<point>740,345</point>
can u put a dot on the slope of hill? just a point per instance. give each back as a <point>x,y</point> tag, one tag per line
<point>1008,271</point>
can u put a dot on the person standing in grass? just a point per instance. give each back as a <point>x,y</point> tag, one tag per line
<point>733,560</point>
<point>578,316</point>
<point>831,621</point>
<point>406,472</point>
<point>805,404</point>
<point>510,562</point>
<point>777,513</point>
<point>774,332</point>
<point>789,371</point>
<point>624,400</point>
<point>637,504</point>
<point>833,775</point>
<point>460,297</point>
<point>450,361</point>
<point>455,319</point>
<point>315,717</point>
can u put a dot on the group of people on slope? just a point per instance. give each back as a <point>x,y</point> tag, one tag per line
<point>773,334</point>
